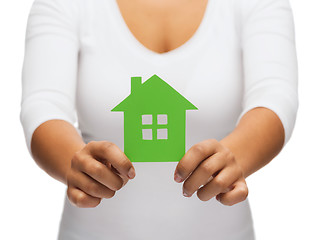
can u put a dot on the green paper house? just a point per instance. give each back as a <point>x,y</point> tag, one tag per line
<point>154,121</point>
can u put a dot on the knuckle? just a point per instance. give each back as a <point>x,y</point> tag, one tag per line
<point>69,194</point>
<point>239,173</point>
<point>223,155</point>
<point>206,167</point>
<point>80,200</point>
<point>220,182</point>
<point>93,189</point>
<point>79,161</point>
<point>213,141</point>
<point>230,154</point>
<point>107,146</point>
<point>243,193</point>
<point>77,155</point>
<point>90,144</point>
<point>198,149</point>
<point>97,169</point>
<point>76,158</point>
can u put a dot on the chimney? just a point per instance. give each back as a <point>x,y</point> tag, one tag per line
<point>136,83</point>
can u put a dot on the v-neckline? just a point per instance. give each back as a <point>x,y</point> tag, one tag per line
<point>160,58</point>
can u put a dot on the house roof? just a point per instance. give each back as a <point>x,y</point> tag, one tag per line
<point>153,94</point>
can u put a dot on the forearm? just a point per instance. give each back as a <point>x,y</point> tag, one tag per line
<point>53,145</point>
<point>256,140</point>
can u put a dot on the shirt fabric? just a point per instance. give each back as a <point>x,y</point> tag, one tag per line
<point>79,60</point>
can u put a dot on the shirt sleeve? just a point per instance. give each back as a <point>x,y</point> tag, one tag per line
<point>50,65</point>
<point>269,60</point>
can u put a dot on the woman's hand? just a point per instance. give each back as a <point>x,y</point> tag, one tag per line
<point>97,171</point>
<point>211,164</point>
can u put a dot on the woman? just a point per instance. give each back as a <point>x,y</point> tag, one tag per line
<point>234,60</point>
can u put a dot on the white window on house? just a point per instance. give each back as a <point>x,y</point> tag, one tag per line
<point>162,133</point>
<point>147,119</point>
<point>162,119</point>
<point>147,134</point>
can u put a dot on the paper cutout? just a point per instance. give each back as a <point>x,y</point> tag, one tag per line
<point>154,121</point>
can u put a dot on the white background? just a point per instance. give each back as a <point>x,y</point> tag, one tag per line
<point>284,195</point>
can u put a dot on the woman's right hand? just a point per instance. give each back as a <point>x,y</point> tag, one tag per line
<point>98,170</point>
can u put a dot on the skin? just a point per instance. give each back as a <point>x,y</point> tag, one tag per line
<point>211,168</point>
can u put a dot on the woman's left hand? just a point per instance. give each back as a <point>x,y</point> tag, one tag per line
<point>211,164</point>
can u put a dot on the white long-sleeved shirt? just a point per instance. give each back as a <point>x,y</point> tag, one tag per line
<point>79,60</point>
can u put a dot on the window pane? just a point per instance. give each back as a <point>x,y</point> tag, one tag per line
<point>162,119</point>
<point>162,133</point>
<point>147,119</point>
<point>147,134</point>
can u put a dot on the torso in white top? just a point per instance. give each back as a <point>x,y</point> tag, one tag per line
<point>242,56</point>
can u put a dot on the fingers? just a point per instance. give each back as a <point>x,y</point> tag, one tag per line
<point>222,182</point>
<point>194,156</point>
<point>203,173</point>
<point>211,169</point>
<point>109,152</point>
<point>90,186</point>
<point>97,171</point>
<point>80,199</point>
<point>238,194</point>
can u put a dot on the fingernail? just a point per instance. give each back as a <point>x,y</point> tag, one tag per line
<point>177,178</point>
<point>185,194</point>
<point>131,173</point>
